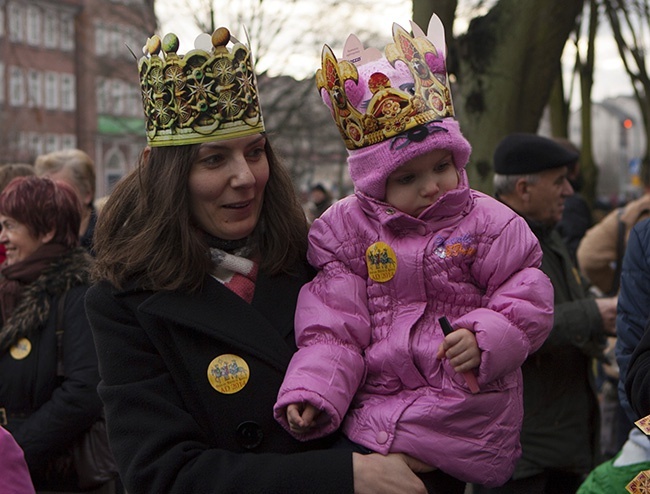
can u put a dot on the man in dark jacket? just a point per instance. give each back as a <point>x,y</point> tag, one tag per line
<point>560,432</point>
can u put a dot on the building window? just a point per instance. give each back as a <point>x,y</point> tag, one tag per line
<point>68,141</point>
<point>34,28</point>
<point>17,87</point>
<point>134,108</point>
<point>101,37</point>
<point>103,96</point>
<point>51,30</point>
<point>118,97</point>
<point>132,40</point>
<point>51,90</point>
<point>113,169</point>
<point>52,142</point>
<point>67,33</point>
<point>36,144</point>
<point>34,89</point>
<point>16,22</point>
<point>116,41</point>
<point>68,102</point>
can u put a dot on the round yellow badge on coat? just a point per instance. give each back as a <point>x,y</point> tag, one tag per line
<point>21,349</point>
<point>381,261</point>
<point>228,373</point>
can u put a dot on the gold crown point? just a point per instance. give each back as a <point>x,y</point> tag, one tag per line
<point>152,46</point>
<point>220,38</point>
<point>170,43</point>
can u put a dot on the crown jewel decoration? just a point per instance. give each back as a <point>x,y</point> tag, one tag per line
<point>390,110</point>
<point>208,94</point>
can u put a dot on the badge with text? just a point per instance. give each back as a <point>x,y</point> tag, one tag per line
<point>228,373</point>
<point>639,484</point>
<point>381,261</point>
<point>21,349</point>
<point>644,425</point>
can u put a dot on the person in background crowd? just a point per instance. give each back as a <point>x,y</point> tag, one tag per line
<point>14,474</point>
<point>413,244</point>
<point>600,257</point>
<point>600,253</point>
<point>319,200</point>
<point>44,410</point>
<point>77,169</point>
<point>200,256</point>
<point>632,316</point>
<point>576,217</point>
<point>637,381</point>
<point>561,415</point>
<point>8,172</point>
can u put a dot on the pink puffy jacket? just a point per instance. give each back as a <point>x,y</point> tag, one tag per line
<point>367,349</point>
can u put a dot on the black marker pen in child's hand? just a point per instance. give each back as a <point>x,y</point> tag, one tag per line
<point>469,376</point>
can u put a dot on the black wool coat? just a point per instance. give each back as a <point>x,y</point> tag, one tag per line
<point>170,429</point>
<point>45,412</point>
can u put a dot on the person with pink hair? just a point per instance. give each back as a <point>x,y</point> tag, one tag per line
<point>413,246</point>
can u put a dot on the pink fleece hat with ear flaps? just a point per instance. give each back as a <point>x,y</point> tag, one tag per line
<point>370,166</point>
<point>370,163</point>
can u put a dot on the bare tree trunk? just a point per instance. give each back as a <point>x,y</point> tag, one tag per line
<point>588,167</point>
<point>558,106</point>
<point>508,62</point>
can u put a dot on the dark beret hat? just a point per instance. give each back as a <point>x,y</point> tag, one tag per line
<point>520,154</point>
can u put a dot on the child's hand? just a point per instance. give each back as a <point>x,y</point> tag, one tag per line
<point>461,349</point>
<point>301,417</point>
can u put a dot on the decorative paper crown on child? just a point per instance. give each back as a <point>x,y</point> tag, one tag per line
<point>392,108</point>
<point>208,94</point>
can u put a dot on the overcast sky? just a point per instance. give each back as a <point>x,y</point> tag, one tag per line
<point>610,78</point>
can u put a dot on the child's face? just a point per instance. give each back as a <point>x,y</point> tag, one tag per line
<point>418,183</point>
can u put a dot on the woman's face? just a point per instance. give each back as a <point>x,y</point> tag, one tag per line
<point>226,186</point>
<point>19,242</point>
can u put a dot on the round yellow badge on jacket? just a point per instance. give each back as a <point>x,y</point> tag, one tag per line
<point>228,373</point>
<point>381,262</point>
<point>21,349</point>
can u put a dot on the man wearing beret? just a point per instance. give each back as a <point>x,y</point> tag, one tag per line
<point>561,415</point>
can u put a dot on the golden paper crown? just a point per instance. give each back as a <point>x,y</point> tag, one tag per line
<point>208,94</point>
<point>390,109</point>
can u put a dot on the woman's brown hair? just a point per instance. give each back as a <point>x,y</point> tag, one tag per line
<point>146,234</point>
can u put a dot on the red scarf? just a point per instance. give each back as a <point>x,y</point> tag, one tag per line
<point>22,273</point>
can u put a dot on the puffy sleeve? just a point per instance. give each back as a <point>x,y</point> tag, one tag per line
<point>519,301</point>
<point>332,329</point>
<point>633,303</point>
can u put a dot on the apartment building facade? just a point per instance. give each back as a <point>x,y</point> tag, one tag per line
<point>68,79</point>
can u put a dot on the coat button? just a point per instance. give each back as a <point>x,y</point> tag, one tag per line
<point>390,211</point>
<point>249,435</point>
<point>381,437</point>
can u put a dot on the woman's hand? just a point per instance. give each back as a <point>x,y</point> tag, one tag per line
<point>390,474</point>
<point>461,349</point>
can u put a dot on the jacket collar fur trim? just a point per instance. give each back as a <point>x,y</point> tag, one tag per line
<point>34,307</point>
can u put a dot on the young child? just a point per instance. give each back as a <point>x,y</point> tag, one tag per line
<point>414,244</point>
